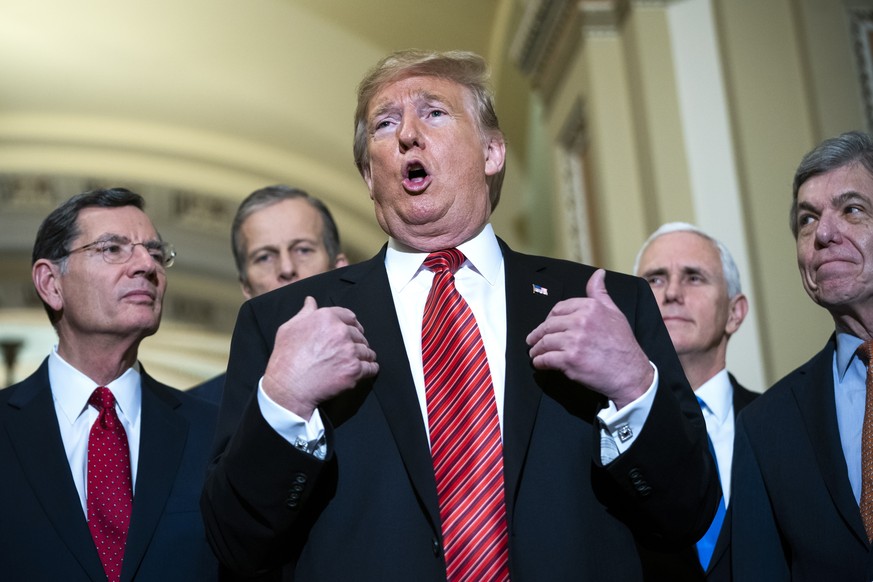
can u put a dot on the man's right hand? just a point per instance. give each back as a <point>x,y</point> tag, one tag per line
<point>318,353</point>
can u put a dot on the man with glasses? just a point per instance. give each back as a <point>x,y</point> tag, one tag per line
<point>102,464</point>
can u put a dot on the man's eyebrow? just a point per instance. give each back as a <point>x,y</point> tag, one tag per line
<point>845,197</point>
<point>420,96</point>
<point>655,271</point>
<point>112,237</point>
<point>686,270</point>
<point>269,247</point>
<point>382,109</point>
<point>835,202</point>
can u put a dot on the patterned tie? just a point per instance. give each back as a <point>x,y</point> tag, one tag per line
<point>866,353</point>
<point>110,496</point>
<point>706,544</point>
<point>464,431</point>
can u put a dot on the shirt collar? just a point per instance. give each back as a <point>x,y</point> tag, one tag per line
<point>847,345</point>
<point>717,393</point>
<point>71,389</point>
<point>482,252</point>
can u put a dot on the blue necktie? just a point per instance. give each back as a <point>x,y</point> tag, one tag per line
<point>706,545</point>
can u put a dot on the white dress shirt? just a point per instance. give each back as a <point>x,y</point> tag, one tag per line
<point>717,396</point>
<point>480,281</point>
<point>71,390</point>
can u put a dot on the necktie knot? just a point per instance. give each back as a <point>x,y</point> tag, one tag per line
<point>446,260</point>
<point>103,400</point>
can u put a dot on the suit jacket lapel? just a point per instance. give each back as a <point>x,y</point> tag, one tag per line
<point>525,310</point>
<point>741,397</point>
<point>162,442</point>
<point>33,431</point>
<point>368,294</point>
<point>814,393</point>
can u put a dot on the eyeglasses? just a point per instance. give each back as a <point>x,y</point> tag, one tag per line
<point>116,252</point>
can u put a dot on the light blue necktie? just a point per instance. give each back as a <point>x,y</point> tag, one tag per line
<point>706,545</point>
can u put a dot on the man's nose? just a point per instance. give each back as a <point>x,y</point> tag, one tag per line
<point>409,132</point>
<point>141,260</point>
<point>828,230</point>
<point>287,268</point>
<point>673,290</point>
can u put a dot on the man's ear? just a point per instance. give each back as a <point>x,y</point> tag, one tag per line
<point>738,308</point>
<point>495,154</point>
<point>368,178</point>
<point>246,289</point>
<point>46,277</point>
<point>341,261</point>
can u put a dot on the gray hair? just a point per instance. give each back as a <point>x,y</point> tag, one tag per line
<point>728,266</point>
<point>847,148</point>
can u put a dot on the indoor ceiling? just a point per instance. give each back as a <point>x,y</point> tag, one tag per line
<point>278,73</point>
<point>254,92</point>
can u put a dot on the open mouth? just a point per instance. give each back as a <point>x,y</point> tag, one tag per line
<point>416,177</point>
<point>415,172</point>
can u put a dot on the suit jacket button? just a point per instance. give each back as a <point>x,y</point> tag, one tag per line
<point>300,478</point>
<point>640,485</point>
<point>293,500</point>
<point>435,544</point>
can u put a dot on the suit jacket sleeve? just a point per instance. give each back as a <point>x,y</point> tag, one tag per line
<point>665,486</point>
<point>248,540</point>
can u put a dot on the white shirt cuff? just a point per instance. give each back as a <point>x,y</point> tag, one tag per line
<point>619,428</point>
<point>306,436</point>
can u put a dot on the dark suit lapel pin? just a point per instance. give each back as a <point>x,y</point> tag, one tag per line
<point>539,289</point>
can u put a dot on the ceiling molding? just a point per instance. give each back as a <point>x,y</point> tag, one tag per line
<point>546,36</point>
<point>549,32</point>
<point>600,16</point>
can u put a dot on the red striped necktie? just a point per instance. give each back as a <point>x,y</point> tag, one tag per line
<point>465,436</point>
<point>110,494</point>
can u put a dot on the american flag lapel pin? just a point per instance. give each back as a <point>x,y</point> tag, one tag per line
<point>539,289</point>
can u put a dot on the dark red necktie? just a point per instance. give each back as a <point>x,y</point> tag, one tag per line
<point>466,445</point>
<point>866,353</point>
<point>110,495</point>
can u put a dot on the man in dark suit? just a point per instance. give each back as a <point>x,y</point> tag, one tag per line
<point>99,267</point>
<point>279,235</point>
<point>331,425</point>
<point>697,285</point>
<point>799,487</point>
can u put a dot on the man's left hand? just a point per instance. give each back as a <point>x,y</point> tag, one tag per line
<point>590,341</point>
